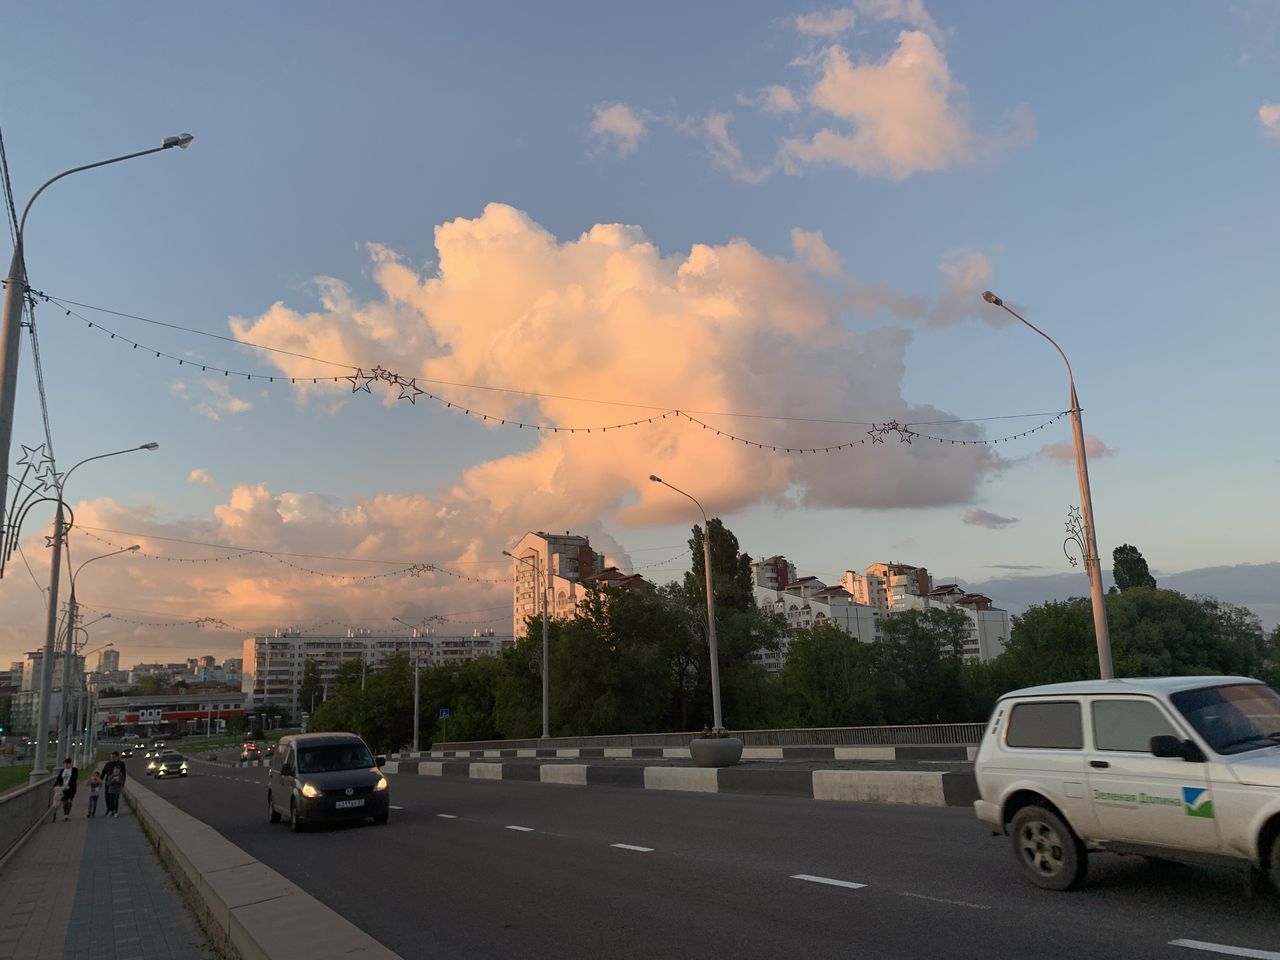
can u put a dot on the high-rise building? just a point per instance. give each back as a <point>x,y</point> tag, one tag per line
<point>557,564</point>
<point>108,661</point>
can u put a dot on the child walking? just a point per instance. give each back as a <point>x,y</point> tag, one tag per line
<point>57,801</point>
<point>95,791</point>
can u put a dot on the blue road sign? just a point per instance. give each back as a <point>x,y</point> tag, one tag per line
<point>444,713</point>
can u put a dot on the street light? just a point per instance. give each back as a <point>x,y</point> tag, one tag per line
<point>69,651</point>
<point>1092,565</point>
<point>711,609</point>
<point>539,583</point>
<point>51,621</point>
<point>89,697</point>
<point>15,288</point>
<point>413,648</point>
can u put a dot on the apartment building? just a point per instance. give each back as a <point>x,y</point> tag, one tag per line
<point>272,665</point>
<point>561,565</point>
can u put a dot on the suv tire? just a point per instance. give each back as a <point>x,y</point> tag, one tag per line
<point>295,822</point>
<point>1049,852</point>
<point>1273,865</point>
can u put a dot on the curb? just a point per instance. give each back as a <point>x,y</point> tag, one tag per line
<point>248,911</point>
<point>925,788</point>
<point>953,754</point>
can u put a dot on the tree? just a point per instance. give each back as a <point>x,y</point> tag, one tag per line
<point>920,666</point>
<point>1129,568</point>
<point>829,680</point>
<point>152,685</point>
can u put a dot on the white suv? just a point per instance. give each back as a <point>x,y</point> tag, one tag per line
<point>1175,768</point>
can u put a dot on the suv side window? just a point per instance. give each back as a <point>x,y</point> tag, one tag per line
<point>1054,725</point>
<point>1128,725</point>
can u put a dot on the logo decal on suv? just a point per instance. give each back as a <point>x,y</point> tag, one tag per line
<point>1197,802</point>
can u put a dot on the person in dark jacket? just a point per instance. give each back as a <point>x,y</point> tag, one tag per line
<point>66,779</point>
<point>113,775</point>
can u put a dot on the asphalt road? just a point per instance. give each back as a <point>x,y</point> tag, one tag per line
<point>489,869</point>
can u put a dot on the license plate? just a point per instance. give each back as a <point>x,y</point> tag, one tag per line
<point>343,804</point>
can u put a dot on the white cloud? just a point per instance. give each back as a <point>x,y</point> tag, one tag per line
<point>825,23</point>
<point>1269,118</point>
<point>968,273</point>
<point>812,250</point>
<point>210,398</point>
<point>619,127</point>
<point>910,12</point>
<point>1065,453</point>
<point>727,155</point>
<point>774,99</point>
<point>905,114</point>
<point>200,476</point>
<point>984,518</point>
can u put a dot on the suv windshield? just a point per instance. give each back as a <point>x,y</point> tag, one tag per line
<point>334,756</point>
<point>1234,718</point>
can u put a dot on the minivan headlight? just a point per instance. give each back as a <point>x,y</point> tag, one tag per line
<point>310,790</point>
<point>381,784</point>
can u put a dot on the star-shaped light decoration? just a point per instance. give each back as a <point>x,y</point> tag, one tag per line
<point>409,390</point>
<point>33,457</point>
<point>360,381</point>
<point>876,433</point>
<point>382,373</point>
<point>51,480</point>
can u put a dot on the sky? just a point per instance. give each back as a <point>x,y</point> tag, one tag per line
<point>726,233</point>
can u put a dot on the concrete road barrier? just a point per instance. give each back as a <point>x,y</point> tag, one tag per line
<point>248,911</point>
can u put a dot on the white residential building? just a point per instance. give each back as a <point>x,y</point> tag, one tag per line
<point>273,665</point>
<point>860,602</point>
<point>558,564</point>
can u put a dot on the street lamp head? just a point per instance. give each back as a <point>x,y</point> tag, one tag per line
<point>990,297</point>
<point>655,478</point>
<point>507,553</point>
<point>149,446</point>
<point>136,546</point>
<point>181,141</point>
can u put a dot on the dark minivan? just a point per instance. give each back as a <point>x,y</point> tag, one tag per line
<point>326,777</point>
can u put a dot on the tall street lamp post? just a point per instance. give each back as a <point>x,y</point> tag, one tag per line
<point>69,652</point>
<point>417,700</point>
<point>1092,565</point>
<point>87,699</point>
<point>15,288</point>
<point>711,607</point>
<point>539,584</point>
<point>38,770</point>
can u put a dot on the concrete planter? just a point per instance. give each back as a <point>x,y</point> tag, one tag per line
<point>715,751</point>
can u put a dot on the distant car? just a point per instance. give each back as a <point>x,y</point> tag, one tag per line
<point>271,750</point>
<point>250,753</point>
<point>127,752</point>
<point>140,746</point>
<point>212,757</point>
<point>158,744</point>
<point>316,777</point>
<point>170,764</point>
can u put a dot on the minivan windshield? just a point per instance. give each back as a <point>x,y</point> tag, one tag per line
<point>334,756</point>
<point>1233,718</point>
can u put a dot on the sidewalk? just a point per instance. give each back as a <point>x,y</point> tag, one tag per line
<point>83,889</point>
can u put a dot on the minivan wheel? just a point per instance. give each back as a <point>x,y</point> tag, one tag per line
<point>1273,867</point>
<point>295,822</point>
<point>1051,855</point>
<point>272,812</point>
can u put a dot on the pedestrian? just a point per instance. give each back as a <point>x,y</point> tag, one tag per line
<point>57,800</point>
<point>95,791</point>
<point>113,774</point>
<point>66,779</point>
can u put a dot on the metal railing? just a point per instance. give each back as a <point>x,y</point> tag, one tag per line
<point>931,734</point>
<point>21,809</point>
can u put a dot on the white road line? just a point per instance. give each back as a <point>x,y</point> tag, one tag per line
<point>447,816</point>
<point>828,880</point>
<point>629,846</point>
<point>394,807</point>
<point>957,903</point>
<point>512,826</point>
<point>1223,948</point>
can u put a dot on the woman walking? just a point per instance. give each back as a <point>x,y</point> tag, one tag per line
<point>113,774</point>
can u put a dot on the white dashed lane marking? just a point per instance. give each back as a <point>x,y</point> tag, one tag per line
<point>955,903</point>
<point>1225,949</point>
<point>447,816</point>
<point>394,807</point>
<point>827,880</point>
<point>630,846</point>
<point>512,826</point>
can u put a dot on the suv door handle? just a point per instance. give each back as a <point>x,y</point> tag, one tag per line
<point>1100,764</point>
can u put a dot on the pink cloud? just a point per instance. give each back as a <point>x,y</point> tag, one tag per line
<point>1065,453</point>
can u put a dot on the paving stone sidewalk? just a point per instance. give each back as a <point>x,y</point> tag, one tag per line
<point>93,889</point>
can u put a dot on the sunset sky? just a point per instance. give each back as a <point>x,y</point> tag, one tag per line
<point>775,219</point>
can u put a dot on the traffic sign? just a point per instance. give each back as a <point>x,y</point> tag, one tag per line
<point>444,713</point>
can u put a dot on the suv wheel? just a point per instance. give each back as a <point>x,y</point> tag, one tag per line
<point>272,812</point>
<point>1273,867</point>
<point>1050,854</point>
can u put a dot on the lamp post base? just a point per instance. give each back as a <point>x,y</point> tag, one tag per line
<point>715,751</point>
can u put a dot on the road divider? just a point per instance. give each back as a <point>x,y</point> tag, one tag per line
<point>957,753</point>
<point>922,787</point>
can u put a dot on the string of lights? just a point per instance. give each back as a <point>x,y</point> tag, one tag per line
<point>410,390</point>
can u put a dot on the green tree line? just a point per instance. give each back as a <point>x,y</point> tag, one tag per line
<point>638,662</point>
